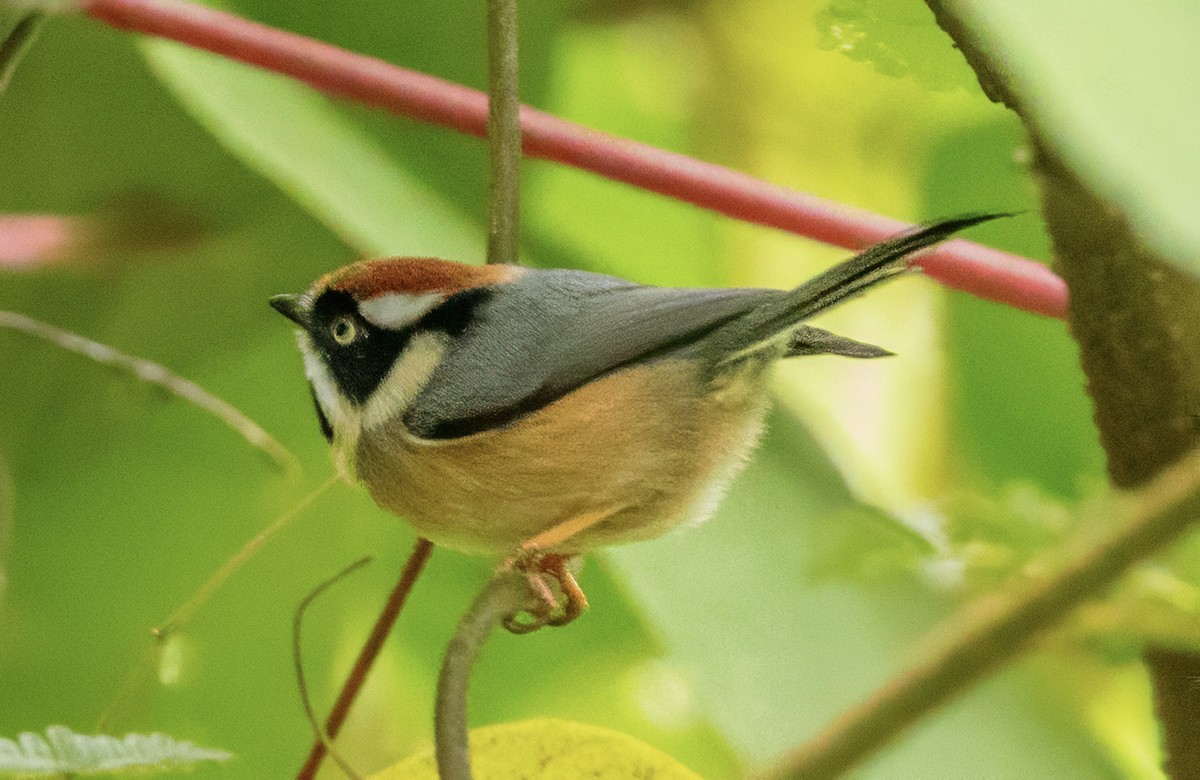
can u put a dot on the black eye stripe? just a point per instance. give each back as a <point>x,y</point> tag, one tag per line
<point>360,365</point>
<point>453,315</point>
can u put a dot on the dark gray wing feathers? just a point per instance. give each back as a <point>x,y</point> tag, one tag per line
<point>552,331</point>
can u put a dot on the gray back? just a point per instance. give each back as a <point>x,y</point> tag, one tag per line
<point>553,331</point>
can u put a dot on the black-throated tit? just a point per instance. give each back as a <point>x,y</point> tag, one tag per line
<point>501,408</point>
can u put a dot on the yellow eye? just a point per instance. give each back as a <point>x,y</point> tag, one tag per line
<point>343,330</point>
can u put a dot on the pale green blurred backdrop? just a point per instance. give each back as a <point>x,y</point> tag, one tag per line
<point>885,494</point>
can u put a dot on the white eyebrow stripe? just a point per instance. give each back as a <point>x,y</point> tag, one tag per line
<point>394,311</point>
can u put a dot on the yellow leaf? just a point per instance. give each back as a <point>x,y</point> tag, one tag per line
<point>549,749</point>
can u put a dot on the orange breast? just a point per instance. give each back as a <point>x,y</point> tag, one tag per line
<point>651,446</point>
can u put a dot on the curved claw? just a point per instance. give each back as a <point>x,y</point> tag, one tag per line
<point>552,606</point>
<point>515,624</point>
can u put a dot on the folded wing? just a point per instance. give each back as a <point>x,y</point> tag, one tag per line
<point>561,329</point>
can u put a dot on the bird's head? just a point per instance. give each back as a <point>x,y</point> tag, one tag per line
<point>373,332</point>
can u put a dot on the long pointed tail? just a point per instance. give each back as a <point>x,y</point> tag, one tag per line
<point>876,264</point>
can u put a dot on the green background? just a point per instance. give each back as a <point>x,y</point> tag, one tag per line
<point>883,496</point>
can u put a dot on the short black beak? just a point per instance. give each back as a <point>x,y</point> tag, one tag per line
<point>292,307</point>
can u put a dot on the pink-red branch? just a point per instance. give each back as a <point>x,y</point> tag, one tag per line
<point>34,240</point>
<point>981,271</point>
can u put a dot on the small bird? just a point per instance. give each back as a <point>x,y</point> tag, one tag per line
<point>539,414</point>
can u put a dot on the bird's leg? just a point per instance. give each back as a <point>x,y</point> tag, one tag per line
<point>556,606</point>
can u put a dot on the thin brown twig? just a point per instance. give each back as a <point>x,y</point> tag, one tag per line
<point>298,661</point>
<point>366,657</point>
<point>155,374</point>
<point>183,613</point>
<point>982,271</point>
<point>995,634</point>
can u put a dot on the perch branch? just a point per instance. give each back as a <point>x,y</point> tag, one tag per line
<point>979,270</point>
<point>507,589</point>
<point>505,593</point>
<point>995,634</point>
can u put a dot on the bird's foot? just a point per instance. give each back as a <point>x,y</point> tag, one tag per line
<point>557,597</point>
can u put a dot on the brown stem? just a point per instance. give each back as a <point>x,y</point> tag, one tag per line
<point>298,661</point>
<point>366,657</point>
<point>505,593</point>
<point>504,133</point>
<point>1175,674</point>
<point>995,633</point>
<point>981,271</point>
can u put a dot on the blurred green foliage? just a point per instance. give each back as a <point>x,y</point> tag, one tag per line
<point>722,645</point>
<point>1123,127</point>
<point>896,38</point>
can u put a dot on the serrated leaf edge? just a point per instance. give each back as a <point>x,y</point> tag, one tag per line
<point>62,750</point>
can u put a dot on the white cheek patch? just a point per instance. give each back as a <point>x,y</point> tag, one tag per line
<point>342,416</point>
<point>408,375</point>
<point>394,311</point>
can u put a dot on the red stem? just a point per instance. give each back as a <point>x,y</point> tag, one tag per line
<point>33,240</point>
<point>982,271</point>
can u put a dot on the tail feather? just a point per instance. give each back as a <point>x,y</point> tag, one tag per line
<point>807,340</point>
<point>866,269</point>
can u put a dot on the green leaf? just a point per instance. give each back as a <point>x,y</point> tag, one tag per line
<point>16,41</point>
<point>899,39</point>
<point>1003,367</point>
<point>294,137</point>
<point>63,751</point>
<point>1111,88</point>
<point>6,502</point>
<point>549,749</point>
